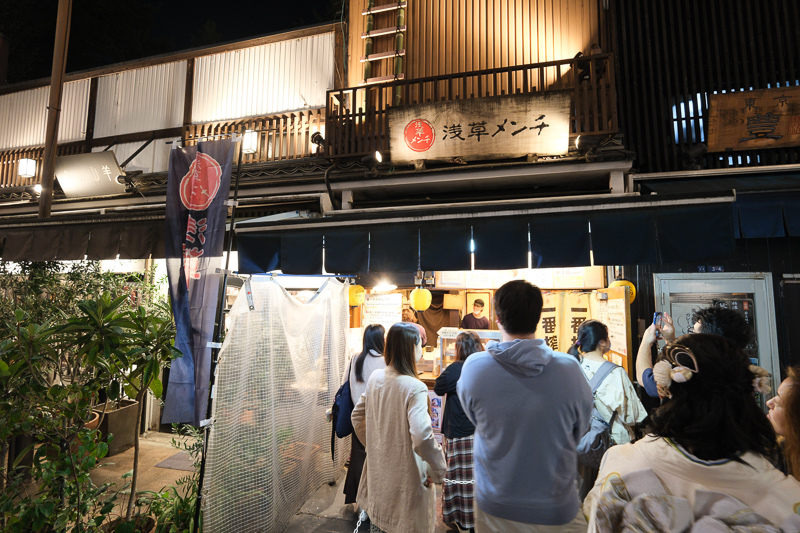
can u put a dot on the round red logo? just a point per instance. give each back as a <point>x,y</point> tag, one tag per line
<point>200,185</point>
<point>419,135</point>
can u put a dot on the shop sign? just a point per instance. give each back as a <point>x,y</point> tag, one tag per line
<point>384,309</point>
<point>754,120</point>
<point>84,175</point>
<point>497,127</point>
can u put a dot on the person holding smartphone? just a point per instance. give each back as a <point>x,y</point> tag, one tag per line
<point>718,321</point>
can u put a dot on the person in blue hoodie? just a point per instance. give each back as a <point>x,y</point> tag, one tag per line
<point>530,407</point>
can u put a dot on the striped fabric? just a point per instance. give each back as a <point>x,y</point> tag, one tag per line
<point>458,499</point>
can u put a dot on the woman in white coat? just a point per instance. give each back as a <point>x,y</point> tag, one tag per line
<point>706,463</point>
<point>403,459</point>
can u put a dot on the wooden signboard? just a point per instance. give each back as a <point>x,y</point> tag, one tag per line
<point>485,128</point>
<point>753,120</point>
<point>612,308</point>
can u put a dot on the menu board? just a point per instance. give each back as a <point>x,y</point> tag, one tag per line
<point>383,309</point>
<point>613,310</point>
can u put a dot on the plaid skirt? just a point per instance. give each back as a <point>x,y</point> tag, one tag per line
<point>458,499</point>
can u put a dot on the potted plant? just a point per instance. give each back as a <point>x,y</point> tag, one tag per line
<point>54,372</point>
<point>57,494</point>
<point>174,506</point>
<point>152,349</point>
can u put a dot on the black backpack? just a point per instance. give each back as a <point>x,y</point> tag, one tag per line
<point>341,410</point>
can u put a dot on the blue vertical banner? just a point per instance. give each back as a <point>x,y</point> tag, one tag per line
<point>198,186</point>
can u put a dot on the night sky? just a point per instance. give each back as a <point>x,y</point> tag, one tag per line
<point>104,32</point>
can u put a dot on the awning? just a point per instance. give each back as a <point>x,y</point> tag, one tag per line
<point>618,229</point>
<point>130,240</point>
<point>767,198</point>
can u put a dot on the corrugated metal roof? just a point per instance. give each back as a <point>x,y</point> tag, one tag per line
<point>264,79</point>
<point>23,115</point>
<point>143,99</point>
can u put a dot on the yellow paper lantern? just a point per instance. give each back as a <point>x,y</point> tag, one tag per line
<point>420,299</point>
<point>357,295</point>
<point>624,283</point>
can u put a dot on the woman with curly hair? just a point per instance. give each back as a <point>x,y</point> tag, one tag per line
<point>784,413</point>
<point>707,456</point>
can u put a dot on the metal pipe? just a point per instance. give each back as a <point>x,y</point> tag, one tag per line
<point>368,40</point>
<point>334,203</point>
<point>399,44</point>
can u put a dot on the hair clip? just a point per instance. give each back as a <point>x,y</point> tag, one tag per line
<point>670,369</point>
<point>761,382</point>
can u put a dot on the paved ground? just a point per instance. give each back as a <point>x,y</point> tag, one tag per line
<point>324,512</point>
<point>155,447</point>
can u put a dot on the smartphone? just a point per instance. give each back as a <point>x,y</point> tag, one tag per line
<point>657,322</point>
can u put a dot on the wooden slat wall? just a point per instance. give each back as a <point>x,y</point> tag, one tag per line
<point>450,36</point>
<point>9,163</point>
<point>668,53</point>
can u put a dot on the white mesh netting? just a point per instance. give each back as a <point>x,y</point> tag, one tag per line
<point>278,371</point>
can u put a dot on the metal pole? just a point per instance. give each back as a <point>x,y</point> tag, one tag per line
<point>219,323</point>
<point>54,107</point>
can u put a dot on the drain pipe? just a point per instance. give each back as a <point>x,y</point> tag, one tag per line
<point>334,202</point>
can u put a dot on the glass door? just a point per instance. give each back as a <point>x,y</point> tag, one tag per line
<point>748,293</point>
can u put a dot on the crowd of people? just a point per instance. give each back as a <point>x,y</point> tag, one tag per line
<point>518,417</point>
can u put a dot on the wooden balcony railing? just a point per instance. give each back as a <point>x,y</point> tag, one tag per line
<point>281,137</point>
<point>357,120</point>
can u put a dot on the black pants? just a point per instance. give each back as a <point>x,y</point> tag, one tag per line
<point>357,457</point>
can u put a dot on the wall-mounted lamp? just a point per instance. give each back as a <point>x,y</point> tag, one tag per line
<point>249,142</point>
<point>27,168</point>
<point>316,138</point>
<point>371,163</point>
<point>371,160</point>
<point>587,143</point>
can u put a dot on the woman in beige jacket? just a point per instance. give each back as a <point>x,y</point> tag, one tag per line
<point>403,459</point>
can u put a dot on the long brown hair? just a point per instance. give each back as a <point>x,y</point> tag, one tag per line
<point>791,409</point>
<point>399,353</point>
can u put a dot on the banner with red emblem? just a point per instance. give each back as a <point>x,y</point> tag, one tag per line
<point>196,212</point>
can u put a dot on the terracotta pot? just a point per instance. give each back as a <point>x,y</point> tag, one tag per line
<point>92,424</point>
<point>142,524</point>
